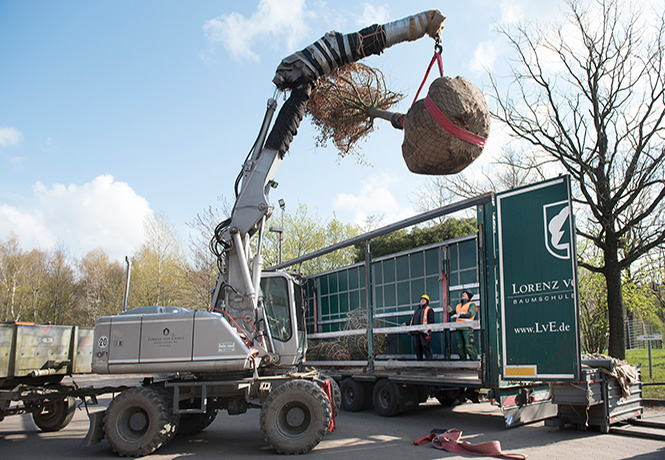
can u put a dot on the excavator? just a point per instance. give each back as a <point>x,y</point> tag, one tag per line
<point>248,350</point>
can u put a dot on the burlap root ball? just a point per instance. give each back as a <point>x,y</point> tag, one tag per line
<point>430,149</point>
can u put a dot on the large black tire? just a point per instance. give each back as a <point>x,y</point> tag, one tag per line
<point>353,395</point>
<point>336,392</point>
<point>295,417</point>
<point>449,397</point>
<point>385,398</point>
<point>195,423</point>
<point>55,414</point>
<point>139,421</point>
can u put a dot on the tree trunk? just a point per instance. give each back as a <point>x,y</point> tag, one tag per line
<point>615,309</point>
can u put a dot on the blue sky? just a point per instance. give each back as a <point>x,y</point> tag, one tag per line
<point>112,110</point>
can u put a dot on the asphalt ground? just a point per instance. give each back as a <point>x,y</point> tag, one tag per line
<point>360,435</point>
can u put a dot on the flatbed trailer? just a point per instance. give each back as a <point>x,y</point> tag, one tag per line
<point>521,267</point>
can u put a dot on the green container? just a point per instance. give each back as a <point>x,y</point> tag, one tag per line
<point>7,334</point>
<point>32,350</point>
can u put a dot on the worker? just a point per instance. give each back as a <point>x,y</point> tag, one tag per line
<point>423,315</point>
<point>465,311</point>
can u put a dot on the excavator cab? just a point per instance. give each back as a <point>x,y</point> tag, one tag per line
<point>283,319</point>
<point>282,299</point>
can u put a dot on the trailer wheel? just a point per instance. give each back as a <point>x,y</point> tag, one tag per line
<point>336,392</point>
<point>353,395</point>
<point>385,397</point>
<point>195,423</point>
<point>295,417</point>
<point>55,414</point>
<point>448,398</point>
<point>139,421</point>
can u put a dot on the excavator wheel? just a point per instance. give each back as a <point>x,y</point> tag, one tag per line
<point>295,417</point>
<point>55,414</point>
<point>195,423</point>
<point>139,421</point>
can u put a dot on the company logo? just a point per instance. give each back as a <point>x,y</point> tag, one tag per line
<point>558,237</point>
<point>166,331</point>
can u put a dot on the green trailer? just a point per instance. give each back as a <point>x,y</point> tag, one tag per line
<point>34,359</point>
<point>521,267</point>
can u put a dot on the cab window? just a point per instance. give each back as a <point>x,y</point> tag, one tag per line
<point>276,302</point>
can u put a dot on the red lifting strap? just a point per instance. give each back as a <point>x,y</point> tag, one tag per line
<point>451,441</point>
<point>452,129</point>
<point>436,58</point>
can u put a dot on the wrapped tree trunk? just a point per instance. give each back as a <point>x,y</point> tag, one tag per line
<point>335,50</point>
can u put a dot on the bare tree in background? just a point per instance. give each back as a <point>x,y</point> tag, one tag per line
<point>591,93</point>
<point>203,273</point>
<point>511,170</point>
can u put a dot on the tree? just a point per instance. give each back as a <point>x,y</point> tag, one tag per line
<point>305,233</point>
<point>159,269</point>
<point>402,239</point>
<point>101,286</point>
<point>512,169</point>
<point>11,271</point>
<point>590,93</point>
<point>593,311</point>
<point>36,286</point>
<point>36,299</point>
<point>203,273</point>
<point>60,290</point>
<point>656,282</point>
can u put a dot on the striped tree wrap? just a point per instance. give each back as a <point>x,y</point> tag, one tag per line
<point>334,49</point>
<point>428,148</point>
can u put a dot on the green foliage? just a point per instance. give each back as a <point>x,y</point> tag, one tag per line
<point>37,286</point>
<point>636,357</point>
<point>160,270</point>
<point>305,233</point>
<point>594,323</point>
<point>101,286</point>
<point>401,240</point>
<point>641,297</point>
<point>642,292</point>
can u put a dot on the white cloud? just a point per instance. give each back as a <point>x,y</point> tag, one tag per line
<point>48,145</point>
<point>100,214</point>
<point>274,20</point>
<point>17,161</point>
<point>484,57</point>
<point>10,137</point>
<point>512,12</point>
<point>375,199</point>
<point>373,14</point>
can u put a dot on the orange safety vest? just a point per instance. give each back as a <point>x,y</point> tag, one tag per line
<point>464,309</point>
<point>427,309</point>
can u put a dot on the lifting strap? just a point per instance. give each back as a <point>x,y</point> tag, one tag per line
<point>450,441</point>
<point>436,113</point>
<point>450,127</point>
<point>438,49</point>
